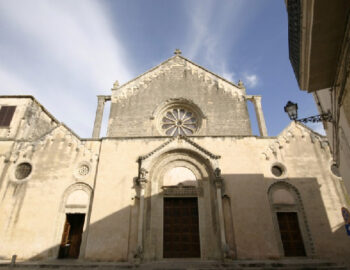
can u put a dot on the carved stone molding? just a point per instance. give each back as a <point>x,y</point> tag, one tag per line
<point>141,82</point>
<point>182,191</point>
<point>186,139</point>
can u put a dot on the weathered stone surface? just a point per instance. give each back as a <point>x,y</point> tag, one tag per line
<point>120,182</point>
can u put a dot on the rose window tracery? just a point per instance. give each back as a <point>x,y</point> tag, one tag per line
<point>179,121</point>
<point>83,170</point>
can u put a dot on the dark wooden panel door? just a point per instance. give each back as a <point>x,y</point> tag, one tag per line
<point>292,240</point>
<point>72,236</point>
<point>181,229</point>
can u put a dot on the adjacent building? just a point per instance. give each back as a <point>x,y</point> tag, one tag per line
<point>319,52</point>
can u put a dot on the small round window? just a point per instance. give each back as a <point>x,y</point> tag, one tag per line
<point>179,121</point>
<point>23,170</point>
<point>277,170</point>
<point>335,170</point>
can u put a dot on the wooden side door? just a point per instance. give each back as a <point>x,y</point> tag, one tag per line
<point>292,240</point>
<point>63,252</point>
<point>72,236</point>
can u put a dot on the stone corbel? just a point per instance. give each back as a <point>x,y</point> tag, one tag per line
<point>142,179</point>
<point>218,181</point>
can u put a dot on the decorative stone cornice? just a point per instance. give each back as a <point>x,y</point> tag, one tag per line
<point>294,131</point>
<point>141,82</point>
<point>157,149</point>
<point>182,191</point>
<point>186,139</point>
<point>28,148</point>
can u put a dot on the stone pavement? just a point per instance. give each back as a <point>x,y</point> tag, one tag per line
<point>290,264</point>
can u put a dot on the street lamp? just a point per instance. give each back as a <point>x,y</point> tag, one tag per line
<point>292,110</point>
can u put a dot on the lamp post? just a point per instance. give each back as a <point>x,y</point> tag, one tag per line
<point>292,110</point>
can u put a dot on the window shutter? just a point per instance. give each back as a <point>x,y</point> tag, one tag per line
<point>6,114</point>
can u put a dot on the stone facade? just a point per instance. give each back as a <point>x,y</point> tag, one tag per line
<point>121,184</point>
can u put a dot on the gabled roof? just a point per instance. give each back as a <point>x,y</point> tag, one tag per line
<point>177,60</point>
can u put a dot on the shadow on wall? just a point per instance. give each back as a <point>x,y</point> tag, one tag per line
<point>252,223</point>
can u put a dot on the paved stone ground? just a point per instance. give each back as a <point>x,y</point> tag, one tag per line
<point>297,264</point>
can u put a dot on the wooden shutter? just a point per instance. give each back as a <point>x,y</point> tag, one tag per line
<point>6,114</point>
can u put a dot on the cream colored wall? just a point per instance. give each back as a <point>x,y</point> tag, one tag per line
<point>32,210</point>
<point>30,120</point>
<point>21,107</point>
<point>245,165</point>
<point>341,145</point>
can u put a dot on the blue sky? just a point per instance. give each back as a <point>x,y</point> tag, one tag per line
<point>66,52</point>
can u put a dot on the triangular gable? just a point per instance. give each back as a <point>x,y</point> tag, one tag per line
<point>132,86</point>
<point>39,144</point>
<point>295,130</point>
<point>191,144</point>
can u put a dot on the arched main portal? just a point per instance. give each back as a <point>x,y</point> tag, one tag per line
<point>181,217</point>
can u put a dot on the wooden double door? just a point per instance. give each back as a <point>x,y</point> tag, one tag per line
<point>181,228</point>
<point>72,236</point>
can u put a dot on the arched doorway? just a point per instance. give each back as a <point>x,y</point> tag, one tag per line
<point>180,214</point>
<point>75,207</point>
<point>181,220</point>
<point>289,220</point>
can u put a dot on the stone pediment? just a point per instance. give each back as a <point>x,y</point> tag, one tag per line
<point>141,82</point>
<point>180,142</point>
<point>61,135</point>
<point>294,131</point>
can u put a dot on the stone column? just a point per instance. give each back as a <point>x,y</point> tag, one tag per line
<point>142,181</point>
<point>259,115</point>
<point>218,184</point>
<point>99,115</point>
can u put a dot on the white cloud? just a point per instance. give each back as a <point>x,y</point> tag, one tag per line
<point>12,83</point>
<point>63,52</point>
<point>214,30</point>
<point>251,80</point>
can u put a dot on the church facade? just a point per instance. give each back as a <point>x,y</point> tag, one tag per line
<point>179,175</point>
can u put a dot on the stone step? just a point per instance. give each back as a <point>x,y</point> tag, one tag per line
<point>178,265</point>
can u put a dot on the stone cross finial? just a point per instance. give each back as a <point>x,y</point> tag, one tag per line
<point>240,84</point>
<point>116,84</point>
<point>177,52</point>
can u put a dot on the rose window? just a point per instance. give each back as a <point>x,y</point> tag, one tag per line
<point>83,170</point>
<point>179,121</point>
